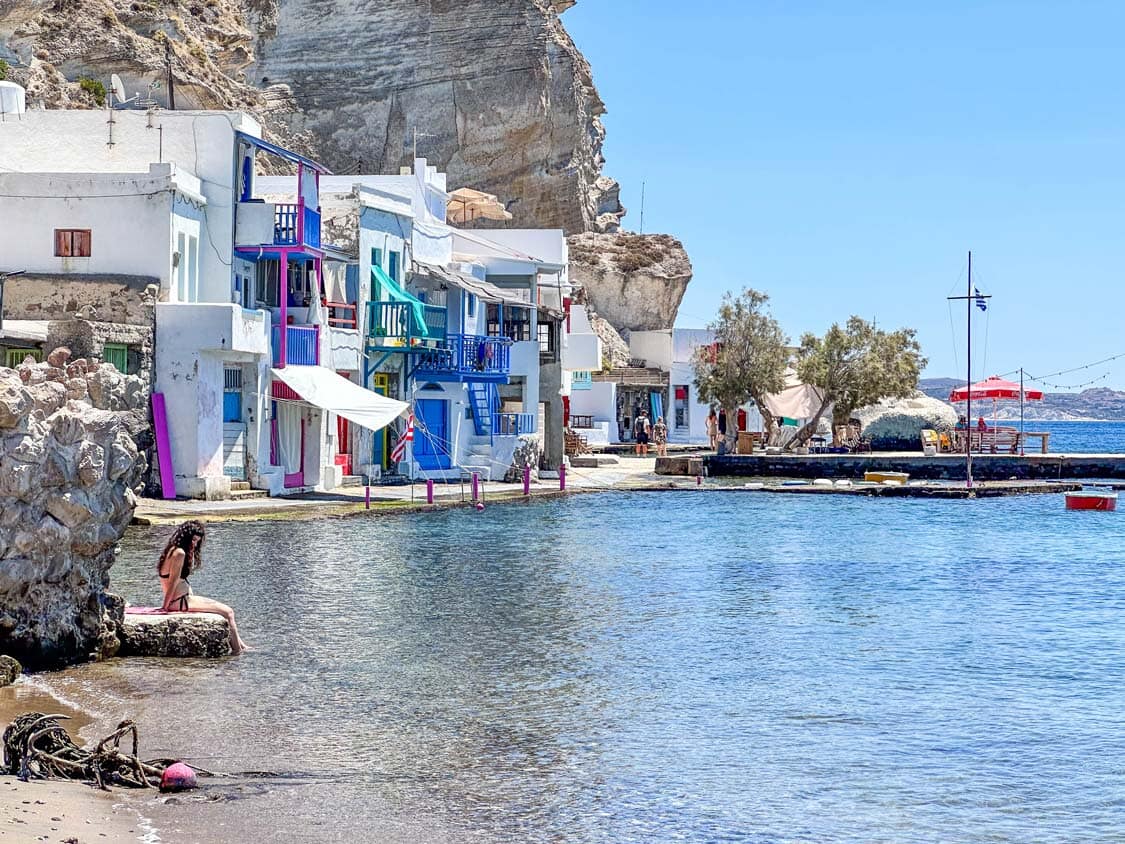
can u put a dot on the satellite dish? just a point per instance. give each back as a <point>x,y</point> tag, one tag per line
<point>118,88</point>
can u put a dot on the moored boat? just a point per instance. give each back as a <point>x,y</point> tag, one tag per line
<point>882,477</point>
<point>1091,501</point>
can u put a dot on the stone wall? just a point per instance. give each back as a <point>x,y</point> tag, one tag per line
<point>104,298</point>
<point>68,479</point>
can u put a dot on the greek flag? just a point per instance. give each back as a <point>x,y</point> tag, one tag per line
<point>982,303</point>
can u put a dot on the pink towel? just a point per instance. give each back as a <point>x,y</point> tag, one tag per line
<point>144,611</point>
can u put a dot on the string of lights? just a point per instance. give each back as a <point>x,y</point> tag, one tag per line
<point>1027,376</point>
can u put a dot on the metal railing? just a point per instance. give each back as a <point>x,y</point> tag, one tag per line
<point>296,225</point>
<point>302,345</point>
<point>396,323</point>
<point>341,314</point>
<point>513,424</point>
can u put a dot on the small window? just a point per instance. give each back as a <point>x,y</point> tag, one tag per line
<point>118,355</point>
<point>72,243</point>
<point>547,336</point>
<point>471,305</point>
<point>392,266</point>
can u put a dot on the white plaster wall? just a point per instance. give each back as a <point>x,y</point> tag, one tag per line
<point>686,340</point>
<point>582,353</point>
<point>653,347</point>
<point>128,215</point>
<point>600,402</point>
<point>683,375</point>
<point>200,143</point>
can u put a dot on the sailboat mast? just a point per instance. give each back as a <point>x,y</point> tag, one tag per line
<point>969,377</point>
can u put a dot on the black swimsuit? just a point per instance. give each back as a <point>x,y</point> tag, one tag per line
<point>181,603</point>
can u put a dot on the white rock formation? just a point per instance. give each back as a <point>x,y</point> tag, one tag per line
<point>635,282</point>
<point>68,472</point>
<point>897,424</point>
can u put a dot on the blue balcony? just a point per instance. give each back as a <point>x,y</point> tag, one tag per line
<point>302,345</point>
<point>467,357</point>
<point>513,424</point>
<point>290,225</point>
<point>404,326</point>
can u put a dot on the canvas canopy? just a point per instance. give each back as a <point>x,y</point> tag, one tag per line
<point>483,290</point>
<point>325,389</point>
<point>466,205</point>
<point>390,291</point>
<point>797,400</point>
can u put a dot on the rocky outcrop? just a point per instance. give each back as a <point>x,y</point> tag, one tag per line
<point>635,282</point>
<point>10,669</point>
<point>500,97</point>
<point>197,634</point>
<point>68,472</point>
<point>897,424</point>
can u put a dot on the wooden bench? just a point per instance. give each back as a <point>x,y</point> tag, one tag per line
<point>575,443</point>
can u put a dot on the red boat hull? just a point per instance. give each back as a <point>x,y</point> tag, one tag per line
<point>1091,501</point>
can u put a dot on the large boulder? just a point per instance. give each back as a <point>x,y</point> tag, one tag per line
<point>68,475</point>
<point>897,424</point>
<point>194,634</point>
<point>634,281</point>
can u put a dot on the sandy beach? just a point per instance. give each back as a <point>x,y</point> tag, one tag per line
<point>59,811</point>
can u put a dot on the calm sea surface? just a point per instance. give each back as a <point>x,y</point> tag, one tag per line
<point>689,666</point>
<point>1079,437</point>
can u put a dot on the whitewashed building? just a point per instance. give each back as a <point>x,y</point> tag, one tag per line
<point>170,197</point>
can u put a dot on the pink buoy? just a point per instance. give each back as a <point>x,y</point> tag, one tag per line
<point>177,777</point>
<point>480,506</point>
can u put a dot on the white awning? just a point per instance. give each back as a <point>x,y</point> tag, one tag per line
<point>325,389</point>
<point>484,290</point>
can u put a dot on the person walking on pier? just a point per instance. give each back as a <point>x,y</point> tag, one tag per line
<point>660,437</point>
<point>642,432</point>
<point>713,429</point>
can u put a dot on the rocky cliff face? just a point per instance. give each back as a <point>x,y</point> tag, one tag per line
<point>635,282</point>
<point>67,476</point>
<point>498,93</point>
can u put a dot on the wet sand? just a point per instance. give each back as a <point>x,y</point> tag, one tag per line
<point>56,811</point>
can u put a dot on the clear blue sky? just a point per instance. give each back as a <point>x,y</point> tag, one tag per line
<point>843,157</point>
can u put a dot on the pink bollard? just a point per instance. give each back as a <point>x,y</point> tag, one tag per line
<point>562,477</point>
<point>699,480</point>
<point>367,497</point>
<point>476,486</point>
<point>527,480</point>
<point>429,491</point>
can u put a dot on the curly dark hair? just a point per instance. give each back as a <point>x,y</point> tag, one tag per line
<point>182,538</point>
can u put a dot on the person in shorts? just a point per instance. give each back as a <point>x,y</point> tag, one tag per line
<point>642,432</point>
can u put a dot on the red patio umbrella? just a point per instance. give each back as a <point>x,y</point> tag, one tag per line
<point>995,388</point>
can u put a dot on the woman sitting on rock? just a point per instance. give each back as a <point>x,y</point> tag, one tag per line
<point>180,558</point>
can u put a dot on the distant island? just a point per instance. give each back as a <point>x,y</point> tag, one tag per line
<point>1095,404</point>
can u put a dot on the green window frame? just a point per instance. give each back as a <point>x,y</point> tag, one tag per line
<point>14,357</point>
<point>118,355</point>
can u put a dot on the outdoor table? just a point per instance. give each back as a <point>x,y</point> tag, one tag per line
<point>1043,436</point>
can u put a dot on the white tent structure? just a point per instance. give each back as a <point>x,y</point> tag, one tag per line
<point>798,402</point>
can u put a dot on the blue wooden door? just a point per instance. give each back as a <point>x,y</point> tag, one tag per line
<point>431,434</point>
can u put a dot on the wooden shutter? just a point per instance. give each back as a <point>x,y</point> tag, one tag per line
<point>62,243</point>
<point>83,238</point>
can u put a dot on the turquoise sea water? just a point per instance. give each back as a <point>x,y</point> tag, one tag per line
<point>688,666</point>
<point>1080,437</point>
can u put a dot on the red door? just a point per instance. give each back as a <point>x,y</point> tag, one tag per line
<point>343,445</point>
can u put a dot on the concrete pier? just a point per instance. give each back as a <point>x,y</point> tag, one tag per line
<point>946,467</point>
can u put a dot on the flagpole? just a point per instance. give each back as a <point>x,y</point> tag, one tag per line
<point>969,378</point>
<point>1021,411</point>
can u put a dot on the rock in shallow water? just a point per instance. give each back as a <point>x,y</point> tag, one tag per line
<point>9,670</point>
<point>198,634</point>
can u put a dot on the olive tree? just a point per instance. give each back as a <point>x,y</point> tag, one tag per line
<point>855,366</point>
<point>745,363</point>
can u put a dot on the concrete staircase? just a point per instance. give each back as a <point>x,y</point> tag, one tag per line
<point>479,458</point>
<point>241,491</point>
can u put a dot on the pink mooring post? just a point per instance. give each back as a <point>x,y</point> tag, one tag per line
<point>367,497</point>
<point>527,480</point>
<point>476,486</point>
<point>562,477</point>
<point>429,491</point>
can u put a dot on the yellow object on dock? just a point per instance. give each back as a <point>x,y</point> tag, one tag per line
<point>883,477</point>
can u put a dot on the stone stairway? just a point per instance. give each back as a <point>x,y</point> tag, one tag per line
<point>241,491</point>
